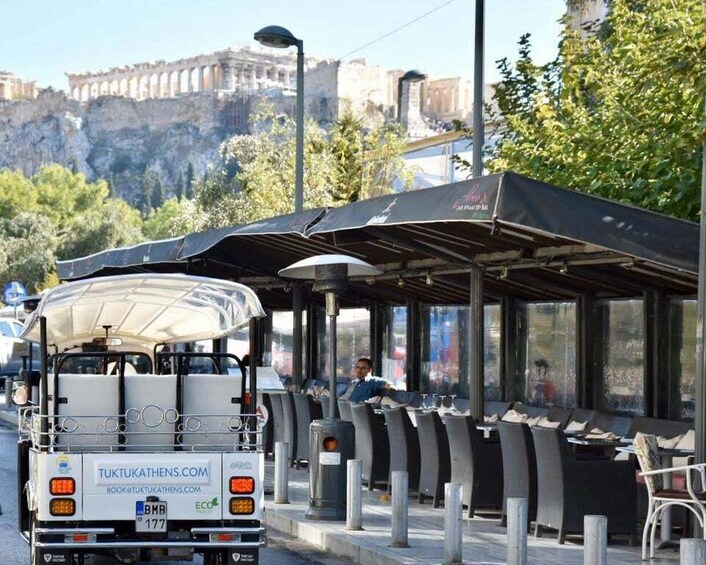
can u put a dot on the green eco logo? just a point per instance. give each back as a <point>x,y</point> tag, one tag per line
<point>207,505</point>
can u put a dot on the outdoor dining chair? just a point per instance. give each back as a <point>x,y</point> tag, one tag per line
<point>519,467</point>
<point>661,498</point>
<point>290,425</point>
<point>268,430</point>
<point>435,470</point>
<point>277,416</point>
<point>371,444</point>
<point>476,464</point>
<point>404,445</point>
<point>569,488</point>
<point>306,411</point>
<point>561,415</point>
<point>344,409</point>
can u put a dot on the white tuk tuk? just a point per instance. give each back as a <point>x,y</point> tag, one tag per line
<point>130,446</point>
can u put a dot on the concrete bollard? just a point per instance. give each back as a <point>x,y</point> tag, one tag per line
<point>692,551</point>
<point>281,472</point>
<point>354,486</point>
<point>595,540</point>
<point>516,531</point>
<point>400,518</point>
<point>453,525</point>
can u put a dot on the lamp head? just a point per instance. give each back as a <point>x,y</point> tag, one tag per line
<point>413,76</point>
<point>275,36</point>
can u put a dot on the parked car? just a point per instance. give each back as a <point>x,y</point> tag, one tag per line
<point>12,348</point>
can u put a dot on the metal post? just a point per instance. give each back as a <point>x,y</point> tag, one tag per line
<point>453,532</point>
<point>478,126</point>
<point>44,383</point>
<point>297,336</point>
<point>252,369</point>
<point>700,416</point>
<point>476,377</point>
<point>331,311</point>
<point>281,472</point>
<point>299,158</point>
<point>516,531</point>
<point>692,551</point>
<point>354,508</point>
<point>400,518</point>
<point>595,540</point>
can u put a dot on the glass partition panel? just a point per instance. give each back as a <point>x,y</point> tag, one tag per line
<point>394,349</point>
<point>444,363</point>
<point>623,356</point>
<point>548,353</point>
<point>281,354</point>
<point>491,344</point>
<point>352,342</point>
<point>683,358</point>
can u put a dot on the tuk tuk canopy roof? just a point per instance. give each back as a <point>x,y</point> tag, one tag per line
<point>143,310</point>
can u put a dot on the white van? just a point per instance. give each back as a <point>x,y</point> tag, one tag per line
<point>125,451</point>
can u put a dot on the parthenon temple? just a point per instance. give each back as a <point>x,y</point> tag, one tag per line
<point>245,69</point>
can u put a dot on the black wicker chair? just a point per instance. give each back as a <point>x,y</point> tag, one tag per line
<point>344,409</point>
<point>475,464</point>
<point>582,415</point>
<point>290,434</point>
<point>277,417</point>
<point>371,444</point>
<point>268,430</point>
<point>404,445</point>
<point>326,406</point>
<point>619,425</point>
<point>491,407</point>
<point>657,427</point>
<point>435,470</point>
<point>306,411</point>
<point>569,488</point>
<point>561,415</point>
<point>531,411</point>
<point>519,467</point>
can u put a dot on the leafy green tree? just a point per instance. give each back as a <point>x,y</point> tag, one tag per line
<point>174,218</point>
<point>618,113</point>
<point>355,160</point>
<point>28,242</point>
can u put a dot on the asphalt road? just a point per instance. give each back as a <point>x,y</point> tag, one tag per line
<point>14,551</point>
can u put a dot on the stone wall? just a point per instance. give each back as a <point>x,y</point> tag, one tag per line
<point>121,139</point>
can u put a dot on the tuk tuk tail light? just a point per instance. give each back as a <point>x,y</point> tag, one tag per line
<point>242,485</point>
<point>242,505</point>
<point>62,507</point>
<point>62,486</point>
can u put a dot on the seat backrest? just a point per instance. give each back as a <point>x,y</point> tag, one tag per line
<point>210,406</point>
<point>344,408</point>
<point>519,464</point>
<point>647,452</point>
<point>561,415</point>
<point>304,414</point>
<point>657,427</point>
<point>458,430</point>
<point>552,463</point>
<point>151,412</point>
<point>582,415</point>
<point>290,423</point>
<point>404,443</point>
<point>619,425</point>
<point>364,437</point>
<point>277,417</point>
<point>88,407</point>
<point>491,407</point>
<point>531,411</point>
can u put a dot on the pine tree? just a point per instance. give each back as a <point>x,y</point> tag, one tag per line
<point>157,193</point>
<point>180,187</point>
<point>189,192</point>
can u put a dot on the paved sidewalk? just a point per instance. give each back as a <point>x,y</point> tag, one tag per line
<point>484,541</point>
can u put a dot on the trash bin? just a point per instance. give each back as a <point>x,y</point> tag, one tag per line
<point>331,445</point>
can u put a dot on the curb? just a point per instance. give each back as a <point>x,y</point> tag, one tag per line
<point>335,542</point>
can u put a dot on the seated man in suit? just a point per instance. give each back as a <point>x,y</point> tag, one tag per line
<point>364,385</point>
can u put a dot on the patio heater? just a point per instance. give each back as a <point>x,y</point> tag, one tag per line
<point>331,440</point>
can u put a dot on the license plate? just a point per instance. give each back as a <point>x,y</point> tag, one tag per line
<point>150,516</point>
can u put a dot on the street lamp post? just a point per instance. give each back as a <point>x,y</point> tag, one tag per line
<point>331,441</point>
<point>282,38</point>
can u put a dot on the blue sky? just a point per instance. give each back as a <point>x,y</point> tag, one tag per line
<point>44,39</point>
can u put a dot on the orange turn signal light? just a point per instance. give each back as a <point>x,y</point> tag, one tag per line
<point>62,486</point>
<point>62,507</point>
<point>242,505</point>
<point>242,485</point>
<point>330,443</point>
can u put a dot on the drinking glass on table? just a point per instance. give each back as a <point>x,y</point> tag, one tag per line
<point>453,406</point>
<point>424,401</point>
